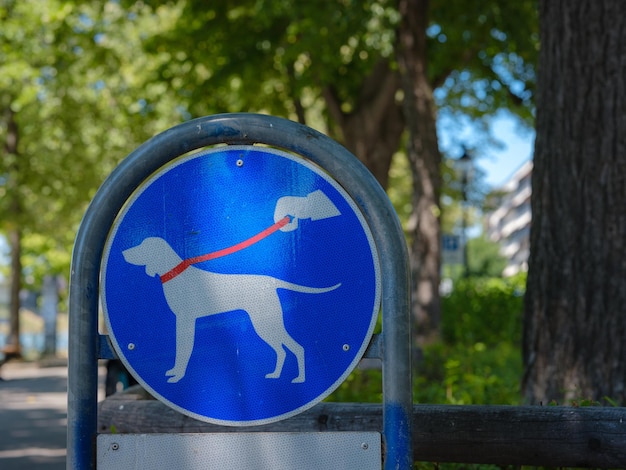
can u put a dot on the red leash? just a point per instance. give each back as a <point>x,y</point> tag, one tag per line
<point>180,267</point>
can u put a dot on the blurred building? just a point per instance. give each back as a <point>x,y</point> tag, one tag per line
<point>508,222</point>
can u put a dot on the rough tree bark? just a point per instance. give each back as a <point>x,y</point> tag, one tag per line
<point>575,321</point>
<point>423,152</point>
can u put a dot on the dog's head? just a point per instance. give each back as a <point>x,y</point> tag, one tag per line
<point>155,254</point>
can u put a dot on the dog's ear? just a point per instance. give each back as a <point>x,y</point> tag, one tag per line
<point>153,253</point>
<point>150,271</point>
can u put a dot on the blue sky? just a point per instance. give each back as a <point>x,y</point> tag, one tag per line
<point>499,152</point>
<point>500,164</point>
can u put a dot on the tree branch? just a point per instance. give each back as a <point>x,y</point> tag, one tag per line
<point>333,103</point>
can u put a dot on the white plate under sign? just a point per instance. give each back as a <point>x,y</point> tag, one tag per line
<point>240,451</point>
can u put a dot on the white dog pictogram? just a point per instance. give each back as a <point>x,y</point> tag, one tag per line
<point>193,293</point>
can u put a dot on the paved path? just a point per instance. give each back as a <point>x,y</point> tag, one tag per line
<point>33,413</point>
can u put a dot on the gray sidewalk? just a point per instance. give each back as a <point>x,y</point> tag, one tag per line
<point>33,413</point>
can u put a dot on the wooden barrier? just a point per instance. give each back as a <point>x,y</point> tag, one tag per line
<point>501,435</point>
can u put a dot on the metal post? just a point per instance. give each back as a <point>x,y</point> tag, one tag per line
<point>465,166</point>
<point>464,226</point>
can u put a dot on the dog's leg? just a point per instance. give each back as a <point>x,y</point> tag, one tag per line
<point>291,345</point>
<point>280,361</point>
<point>185,336</point>
<point>269,325</point>
<point>298,351</point>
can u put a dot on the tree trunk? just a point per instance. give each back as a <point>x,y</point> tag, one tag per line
<point>13,340</point>
<point>14,234</point>
<point>423,153</point>
<point>49,313</point>
<point>575,320</point>
<point>372,131</point>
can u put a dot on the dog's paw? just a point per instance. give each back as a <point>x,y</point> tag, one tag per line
<point>174,375</point>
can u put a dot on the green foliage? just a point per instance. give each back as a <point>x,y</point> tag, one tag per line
<point>484,258</point>
<point>456,466</point>
<point>582,401</point>
<point>400,190</point>
<point>478,360</point>
<point>482,54</point>
<point>87,82</point>
<point>266,56</point>
<point>71,91</point>
<point>484,310</point>
<point>475,374</point>
<point>361,386</point>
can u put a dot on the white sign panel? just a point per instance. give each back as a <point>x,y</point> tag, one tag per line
<point>241,451</point>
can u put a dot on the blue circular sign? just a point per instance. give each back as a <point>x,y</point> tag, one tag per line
<point>240,285</point>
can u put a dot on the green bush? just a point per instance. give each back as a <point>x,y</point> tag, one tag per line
<point>486,310</point>
<point>477,361</point>
<point>466,375</point>
<point>361,386</point>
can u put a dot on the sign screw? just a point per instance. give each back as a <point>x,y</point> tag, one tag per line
<point>364,445</point>
<point>131,346</point>
<point>240,162</point>
<point>346,347</point>
<point>115,446</point>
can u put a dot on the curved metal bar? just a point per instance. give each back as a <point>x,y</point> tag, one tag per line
<point>247,129</point>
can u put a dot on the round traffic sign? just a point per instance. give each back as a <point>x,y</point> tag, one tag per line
<point>240,285</point>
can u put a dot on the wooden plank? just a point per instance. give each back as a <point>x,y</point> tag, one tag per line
<point>513,435</point>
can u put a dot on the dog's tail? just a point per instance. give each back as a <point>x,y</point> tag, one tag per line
<point>306,289</point>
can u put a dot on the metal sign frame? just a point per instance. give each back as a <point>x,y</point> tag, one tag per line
<point>86,345</point>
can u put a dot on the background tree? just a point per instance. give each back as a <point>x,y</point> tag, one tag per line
<point>25,42</point>
<point>575,320</point>
<point>69,110</point>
